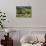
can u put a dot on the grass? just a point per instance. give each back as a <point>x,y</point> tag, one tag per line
<point>24,12</point>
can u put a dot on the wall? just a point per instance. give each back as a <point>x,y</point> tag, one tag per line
<point>38,13</point>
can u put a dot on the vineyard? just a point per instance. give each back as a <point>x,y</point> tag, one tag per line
<point>23,12</point>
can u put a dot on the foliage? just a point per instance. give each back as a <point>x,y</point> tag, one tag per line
<point>2,19</point>
<point>24,12</point>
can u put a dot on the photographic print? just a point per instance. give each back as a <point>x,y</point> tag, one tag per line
<point>23,11</point>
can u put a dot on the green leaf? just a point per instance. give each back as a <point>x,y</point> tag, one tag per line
<point>4,16</point>
<point>4,13</point>
<point>0,12</point>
